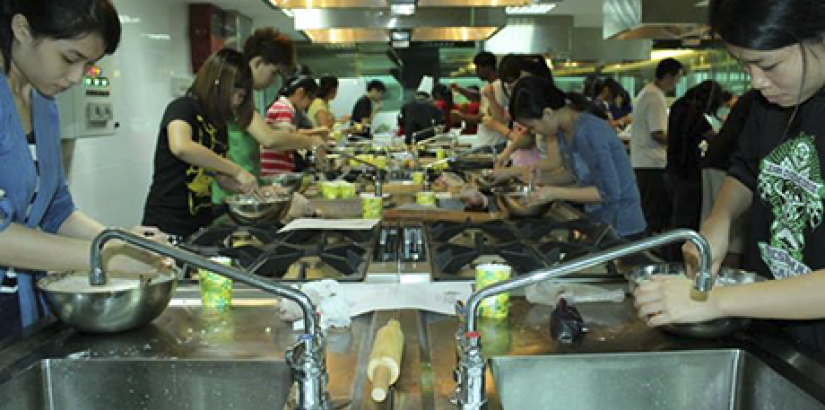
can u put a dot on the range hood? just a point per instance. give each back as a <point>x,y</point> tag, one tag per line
<point>427,24</point>
<point>654,19</point>
<point>323,4</point>
<point>547,35</point>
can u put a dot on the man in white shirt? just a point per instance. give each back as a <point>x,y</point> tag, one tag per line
<point>494,100</point>
<point>648,144</point>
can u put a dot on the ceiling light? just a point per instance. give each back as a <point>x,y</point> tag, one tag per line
<point>288,13</point>
<point>531,9</point>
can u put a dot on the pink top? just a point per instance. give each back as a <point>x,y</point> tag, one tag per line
<point>525,157</point>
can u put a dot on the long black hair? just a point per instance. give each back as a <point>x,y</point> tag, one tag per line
<point>512,66</point>
<point>532,95</point>
<point>706,97</point>
<point>768,24</point>
<point>60,19</point>
<point>307,83</point>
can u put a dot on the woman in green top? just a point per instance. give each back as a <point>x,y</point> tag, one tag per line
<point>269,53</point>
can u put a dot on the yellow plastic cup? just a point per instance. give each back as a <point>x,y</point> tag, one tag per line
<point>380,161</point>
<point>494,307</point>
<point>330,190</point>
<point>426,198</point>
<point>346,190</point>
<point>216,290</point>
<point>440,153</point>
<point>418,177</point>
<point>372,206</point>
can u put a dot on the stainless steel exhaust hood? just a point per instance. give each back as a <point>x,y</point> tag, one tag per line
<point>654,19</point>
<point>549,35</point>
<point>427,24</point>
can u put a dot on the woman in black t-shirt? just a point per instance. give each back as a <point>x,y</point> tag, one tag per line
<point>192,145</point>
<point>776,173</point>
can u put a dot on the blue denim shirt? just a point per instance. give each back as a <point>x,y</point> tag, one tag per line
<point>18,179</point>
<point>596,157</point>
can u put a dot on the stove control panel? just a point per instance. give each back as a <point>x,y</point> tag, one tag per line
<point>397,243</point>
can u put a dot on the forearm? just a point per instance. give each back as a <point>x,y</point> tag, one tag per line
<point>80,226</point>
<point>203,157</point>
<point>275,138</point>
<point>584,195</point>
<point>25,248</point>
<point>557,177</point>
<point>734,199</point>
<point>798,298</point>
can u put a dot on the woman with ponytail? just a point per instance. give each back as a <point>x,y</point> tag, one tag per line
<point>595,164</point>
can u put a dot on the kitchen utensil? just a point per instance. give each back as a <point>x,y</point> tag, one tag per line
<point>513,200</point>
<point>704,330</point>
<point>250,209</point>
<point>384,366</point>
<point>125,302</point>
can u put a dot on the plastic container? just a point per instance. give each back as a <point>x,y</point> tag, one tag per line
<point>494,307</point>
<point>216,290</point>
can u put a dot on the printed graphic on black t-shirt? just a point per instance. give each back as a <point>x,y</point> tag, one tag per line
<point>197,182</point>
<point>790,181</point>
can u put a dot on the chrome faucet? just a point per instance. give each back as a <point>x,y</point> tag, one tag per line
<point>307,357</point>
<point>469,393</point>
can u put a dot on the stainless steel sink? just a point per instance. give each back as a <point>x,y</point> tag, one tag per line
<point>106,384</point>
<point>713,380</point>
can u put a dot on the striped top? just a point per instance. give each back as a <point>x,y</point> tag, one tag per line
<point>281,114</point>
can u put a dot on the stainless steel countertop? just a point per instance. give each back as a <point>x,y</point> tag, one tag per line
<point>252,331</point>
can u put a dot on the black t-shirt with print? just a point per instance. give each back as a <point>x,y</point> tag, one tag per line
<point>180,198</point>
<point>784,171</point>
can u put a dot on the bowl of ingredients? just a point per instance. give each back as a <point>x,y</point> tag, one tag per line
<point>703,330</point>
<point>267,205</point>
<point>515,199</point>
<point>125,302</point>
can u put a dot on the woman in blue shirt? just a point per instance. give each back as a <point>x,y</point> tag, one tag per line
<point>47,46</point>
<point>591,154</point>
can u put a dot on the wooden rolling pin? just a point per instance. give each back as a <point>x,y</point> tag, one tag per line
<point>385,360</point>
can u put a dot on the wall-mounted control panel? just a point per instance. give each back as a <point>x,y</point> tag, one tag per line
<point>86,109</point>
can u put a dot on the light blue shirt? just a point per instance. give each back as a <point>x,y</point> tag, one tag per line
<point>18,180</point>
<point>596,157</point>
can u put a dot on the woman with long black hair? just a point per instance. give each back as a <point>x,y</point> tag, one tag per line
<point>47,46</point>
<point>776,173</point>
<point>598,170</point>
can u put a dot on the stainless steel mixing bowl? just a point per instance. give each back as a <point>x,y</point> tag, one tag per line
<point>252,209</point>
<point>512,198</point>
<point>107,310</point>
<point>704,330</point>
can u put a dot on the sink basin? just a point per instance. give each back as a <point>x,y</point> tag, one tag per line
<point>63,384</point>
<point>718,379</point>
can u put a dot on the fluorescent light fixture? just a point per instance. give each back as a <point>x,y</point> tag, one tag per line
<point>531,9</point>
<point>402,9</point>
<point>124,19</point>
<point>288,13</point>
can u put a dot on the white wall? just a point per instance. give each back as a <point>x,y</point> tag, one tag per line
<point>109,176</point>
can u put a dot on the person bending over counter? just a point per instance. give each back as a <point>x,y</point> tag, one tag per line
<point>47,46</point>
<point>598,167</point>
<point>192,143</point>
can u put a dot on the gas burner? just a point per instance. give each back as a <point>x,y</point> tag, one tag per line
<point>329,237</point>
<point>494,230</point>
<point>228,236</point>
<point>336,253</point>
<point>577,230</point>
<point>451,259</point>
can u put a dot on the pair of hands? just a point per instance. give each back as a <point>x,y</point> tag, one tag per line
<point>666,300</point>
<point>130,260</point>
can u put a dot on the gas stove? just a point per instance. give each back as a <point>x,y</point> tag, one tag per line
<point>293,255</point>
